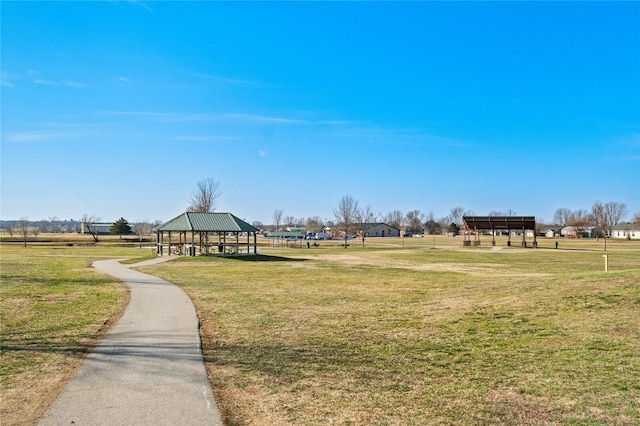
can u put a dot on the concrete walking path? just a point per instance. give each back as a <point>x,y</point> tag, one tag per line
<point>149,368</point>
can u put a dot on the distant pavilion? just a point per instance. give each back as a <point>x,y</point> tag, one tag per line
<point>206,233</point>
<point>476,224</point>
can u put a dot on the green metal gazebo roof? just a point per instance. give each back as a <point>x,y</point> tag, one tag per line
<point>205,222</point>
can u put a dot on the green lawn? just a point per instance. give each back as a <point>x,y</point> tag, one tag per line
<point>419,331</point>
<point>391,335</point>
<point>53,307</point>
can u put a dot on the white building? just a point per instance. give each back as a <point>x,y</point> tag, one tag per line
<point>627,231</point>
<point>379,230</point>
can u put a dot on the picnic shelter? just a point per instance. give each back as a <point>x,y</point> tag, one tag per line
<point>475,225</point>
<point>206,233</point>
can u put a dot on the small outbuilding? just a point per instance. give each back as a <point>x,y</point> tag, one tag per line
<point>378,229</point>
<point>203,233</point>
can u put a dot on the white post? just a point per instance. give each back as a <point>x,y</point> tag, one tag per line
<point>606,262</point>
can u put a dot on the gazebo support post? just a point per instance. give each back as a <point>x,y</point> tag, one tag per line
<point>224,244</point>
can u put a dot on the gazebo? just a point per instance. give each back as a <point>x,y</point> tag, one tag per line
<point>474,224</point>
<point>199,231</point>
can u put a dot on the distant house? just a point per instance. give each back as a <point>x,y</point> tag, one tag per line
<point>285,234</point>
<point>379,229</point>
<point>572,232</point>
<point>98,228</point>
<point>552,232</point>
<point>101,228</point>
<point>295,229</point>
<point>627,231</point>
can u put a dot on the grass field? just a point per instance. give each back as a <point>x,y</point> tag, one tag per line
<point>400,333</point>
<point>413,332</point>
<point>53,308</point>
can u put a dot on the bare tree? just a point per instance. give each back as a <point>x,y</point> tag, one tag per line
<point>636,218</point>
<point>432,227</point>
<point>614,213</point>
<point>562,216</point>
<point>579,220</point>
<point>394,218</point>
<point>346,214</point>
<point>606,216</point>
<point>289,221</point>
<point>44,226</point>
<point>277,219</point>
<point>456,214</point>
<point>88,223</point>
<point>508,212</point>
<point>142,230</point>
<point>365,217</point>
<point>314,223</point>
<point>598,219</point>
<point>414,220</point>
<point>205,196</point>
<point>55,224</point>
<point>23,229</point>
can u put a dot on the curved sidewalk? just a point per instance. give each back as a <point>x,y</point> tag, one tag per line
<point>149,368</point>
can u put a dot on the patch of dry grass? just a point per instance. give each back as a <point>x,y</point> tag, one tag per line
<point>390,335</point>
<point>53,309</point>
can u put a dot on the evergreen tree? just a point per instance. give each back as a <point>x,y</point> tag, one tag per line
<point>120,227</point>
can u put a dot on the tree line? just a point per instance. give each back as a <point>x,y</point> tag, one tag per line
<point>348,215</point>
<point>602,217</point>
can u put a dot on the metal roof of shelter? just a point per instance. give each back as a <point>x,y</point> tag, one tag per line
<point>500,222</point>
<point>205,222</point>
<point>285,234</point>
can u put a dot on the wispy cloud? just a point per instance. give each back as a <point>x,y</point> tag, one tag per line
<point>73,84</point>
<point>8,79</point>
<point>265,119</point>
<point>162,116</point>
<point>203,117</point>
<point>386,135</point>
<point>35,77</point>
<point>204,138</point>
<point>125,80</point>
<point>262,153</point>
<point>220,78</point>
<point>31,137</point>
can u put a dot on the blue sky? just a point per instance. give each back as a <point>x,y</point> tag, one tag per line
<point>117,109</point>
